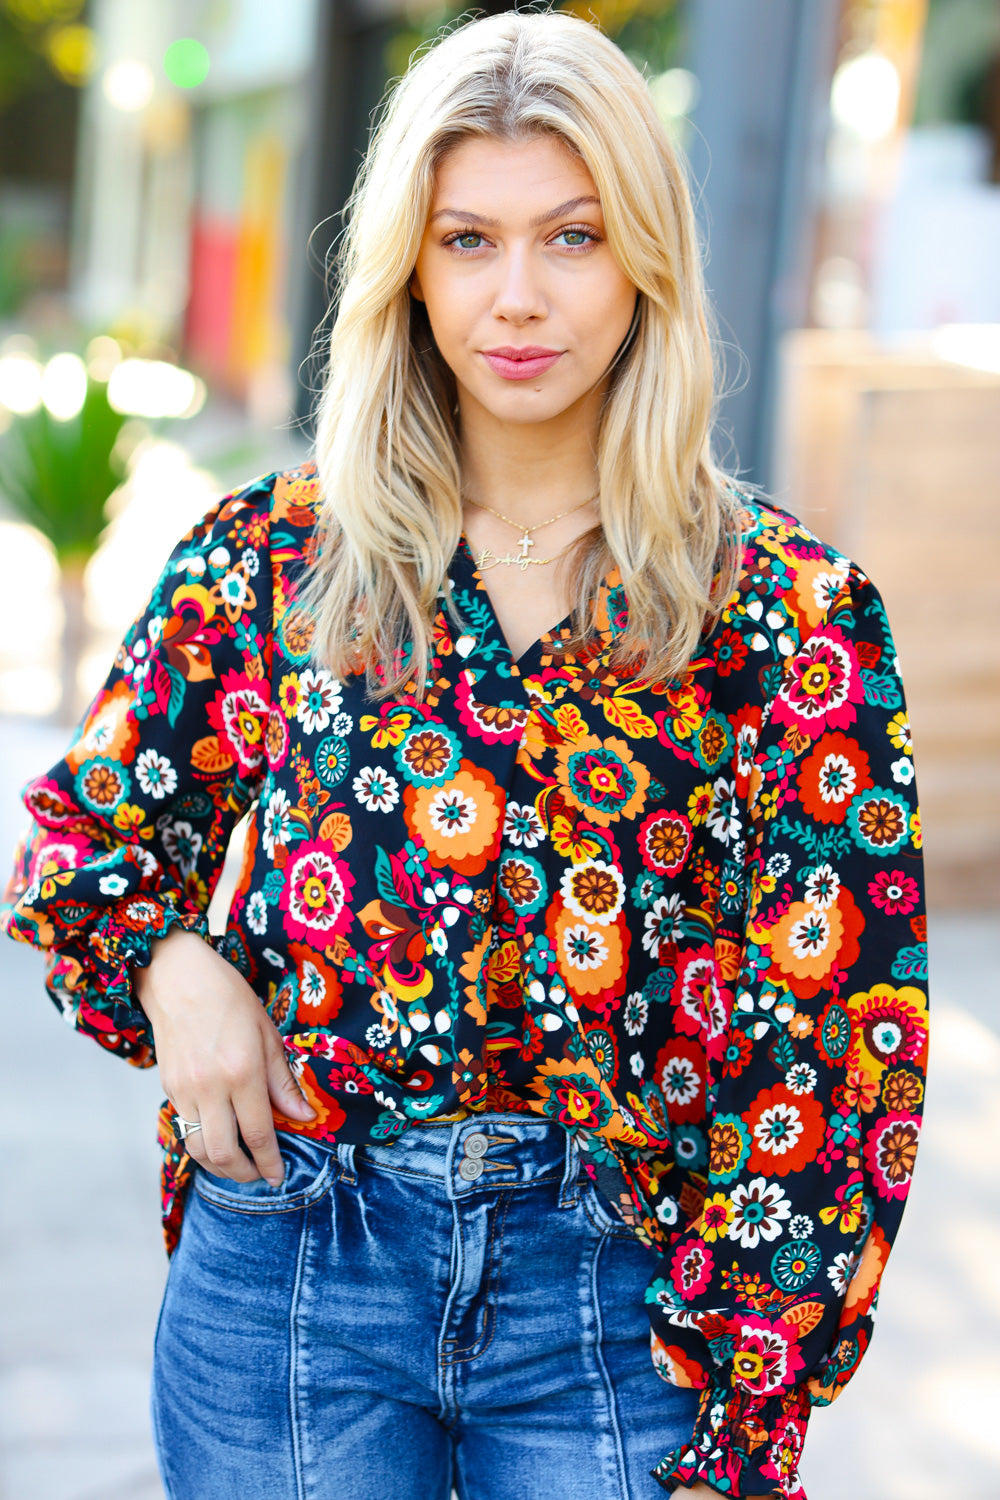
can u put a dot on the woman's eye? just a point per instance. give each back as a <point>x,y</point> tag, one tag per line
<point>462,239</point>
<point>576,239</point>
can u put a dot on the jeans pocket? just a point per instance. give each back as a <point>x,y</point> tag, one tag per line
<point>599,1211</point>
<point>310,1167</point>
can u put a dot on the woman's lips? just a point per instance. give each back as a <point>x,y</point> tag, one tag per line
<point>522,367</point>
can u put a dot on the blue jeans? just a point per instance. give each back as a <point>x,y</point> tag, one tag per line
<point>457,1308</point>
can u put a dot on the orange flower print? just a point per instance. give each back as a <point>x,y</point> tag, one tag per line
<point>458,823</point>
<point>602,778</point>
<point>590,957</point>
<point>109,730</point>
<point>594,891</point>
<point>831,775</point>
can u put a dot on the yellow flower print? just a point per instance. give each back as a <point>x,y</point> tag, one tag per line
<point>387,731</point>
<point>290,695</point>
<point>716,1217</point>
<point>899,732</point>
<point>700,803</point>
<point>686,713</point>
<point>916,833</point>
<point>130,819</point>
<point>572,842</point>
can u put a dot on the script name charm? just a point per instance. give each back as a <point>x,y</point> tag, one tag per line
<point>489,559</point>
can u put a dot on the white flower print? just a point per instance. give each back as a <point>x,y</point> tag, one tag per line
<point>800,1079</point>
<point>822,887</point>
<point>234,588</point>
<point>522,826</point>
<point>779,1128</point>
<point>343,724</point>
<point>636,1014</point>
<point>638,1064</point>
<point>376,789</point>
<point>451,813</point>
<point>759,1207</point>
<point>250,562</point>
<point>902,771</point>
<point>378,1036</point>
<point>662,923</point>
<point>256,914</point>
<point>838,780</point>
<point>583,947</point>
<point>842,1271</point>
<point>778,865</point>
<point>679,1080</point>
<point>321,697</point>
<point>157,776</point>
<point>113,885</point>
<point>277,822</point>
<point>724,818</point>
<point>810,935</point>
<point>183,845</point>
<point>313,985</point>
<point>800,1227</point>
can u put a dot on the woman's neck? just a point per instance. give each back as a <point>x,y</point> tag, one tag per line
<point>528,470</point>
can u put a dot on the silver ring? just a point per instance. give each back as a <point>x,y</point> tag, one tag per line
<point>184,1127</point>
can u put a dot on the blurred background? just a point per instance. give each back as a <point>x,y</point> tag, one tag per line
<point>171,177</point>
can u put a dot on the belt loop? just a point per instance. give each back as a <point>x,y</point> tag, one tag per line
<point>568,1189</point>
<point>345,1155</point>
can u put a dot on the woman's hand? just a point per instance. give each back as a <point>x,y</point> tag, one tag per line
<point>221,1057</point>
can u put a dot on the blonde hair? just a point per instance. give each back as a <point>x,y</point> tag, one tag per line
<point>387,442</point>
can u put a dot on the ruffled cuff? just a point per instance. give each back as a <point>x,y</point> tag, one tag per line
<point>742,1444</point>
<point>123,937</point>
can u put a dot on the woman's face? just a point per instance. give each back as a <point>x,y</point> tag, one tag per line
<point>525,300</point>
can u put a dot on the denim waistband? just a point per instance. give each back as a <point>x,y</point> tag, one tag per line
<point>487,1150</point>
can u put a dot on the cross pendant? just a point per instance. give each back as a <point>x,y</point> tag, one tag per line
<point>526,542</point>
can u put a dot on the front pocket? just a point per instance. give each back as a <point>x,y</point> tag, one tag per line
<point>599,1211</point>
<point>310,1167</point>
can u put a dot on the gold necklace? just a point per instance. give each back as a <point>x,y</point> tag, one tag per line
<point>489,559</point>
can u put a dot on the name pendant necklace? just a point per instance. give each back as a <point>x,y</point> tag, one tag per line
<point>490,559</point>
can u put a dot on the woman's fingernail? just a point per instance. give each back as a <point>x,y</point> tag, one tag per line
<point>275,1181</point>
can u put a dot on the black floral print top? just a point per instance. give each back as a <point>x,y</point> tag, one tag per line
<point>686,922</point>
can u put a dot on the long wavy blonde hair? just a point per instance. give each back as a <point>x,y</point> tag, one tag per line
<point>387,443</point>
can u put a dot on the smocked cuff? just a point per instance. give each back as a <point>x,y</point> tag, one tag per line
<point>123,937</point>
<point>742,1445</point>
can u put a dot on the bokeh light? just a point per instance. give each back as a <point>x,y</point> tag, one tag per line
<point>102,354</point>
<point>154,388</point>
<point>72,51</point>
<point>864,98</point>
<point>64,386</point>
<point>20,383</point>
<point>128,85</point>
<point>185,63</point>
<point>675,92</point>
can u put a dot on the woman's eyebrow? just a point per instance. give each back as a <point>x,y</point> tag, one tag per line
<point>535,223</point>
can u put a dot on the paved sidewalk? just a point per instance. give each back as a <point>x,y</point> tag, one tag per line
<point>82,1268</point>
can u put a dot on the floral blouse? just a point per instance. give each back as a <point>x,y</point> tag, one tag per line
<point>686,921</point>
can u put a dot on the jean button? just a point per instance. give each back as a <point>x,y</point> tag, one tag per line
<point>470,1167</point>
<point>476,1144</point>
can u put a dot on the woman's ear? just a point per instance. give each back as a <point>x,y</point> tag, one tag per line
<point>416,290</point>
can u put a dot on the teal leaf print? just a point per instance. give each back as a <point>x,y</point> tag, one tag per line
<point>881,691</point>
<point>910,963</point>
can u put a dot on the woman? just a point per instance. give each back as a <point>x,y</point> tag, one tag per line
<point>567,983</point>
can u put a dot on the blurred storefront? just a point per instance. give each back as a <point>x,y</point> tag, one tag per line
<point>887,437</point>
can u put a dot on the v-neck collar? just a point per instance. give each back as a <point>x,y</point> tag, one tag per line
<point>486,648</point>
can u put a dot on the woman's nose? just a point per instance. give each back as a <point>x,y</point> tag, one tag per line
<point>519,293</point>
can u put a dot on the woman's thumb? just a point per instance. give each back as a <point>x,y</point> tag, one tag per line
<point>284,1092</point>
